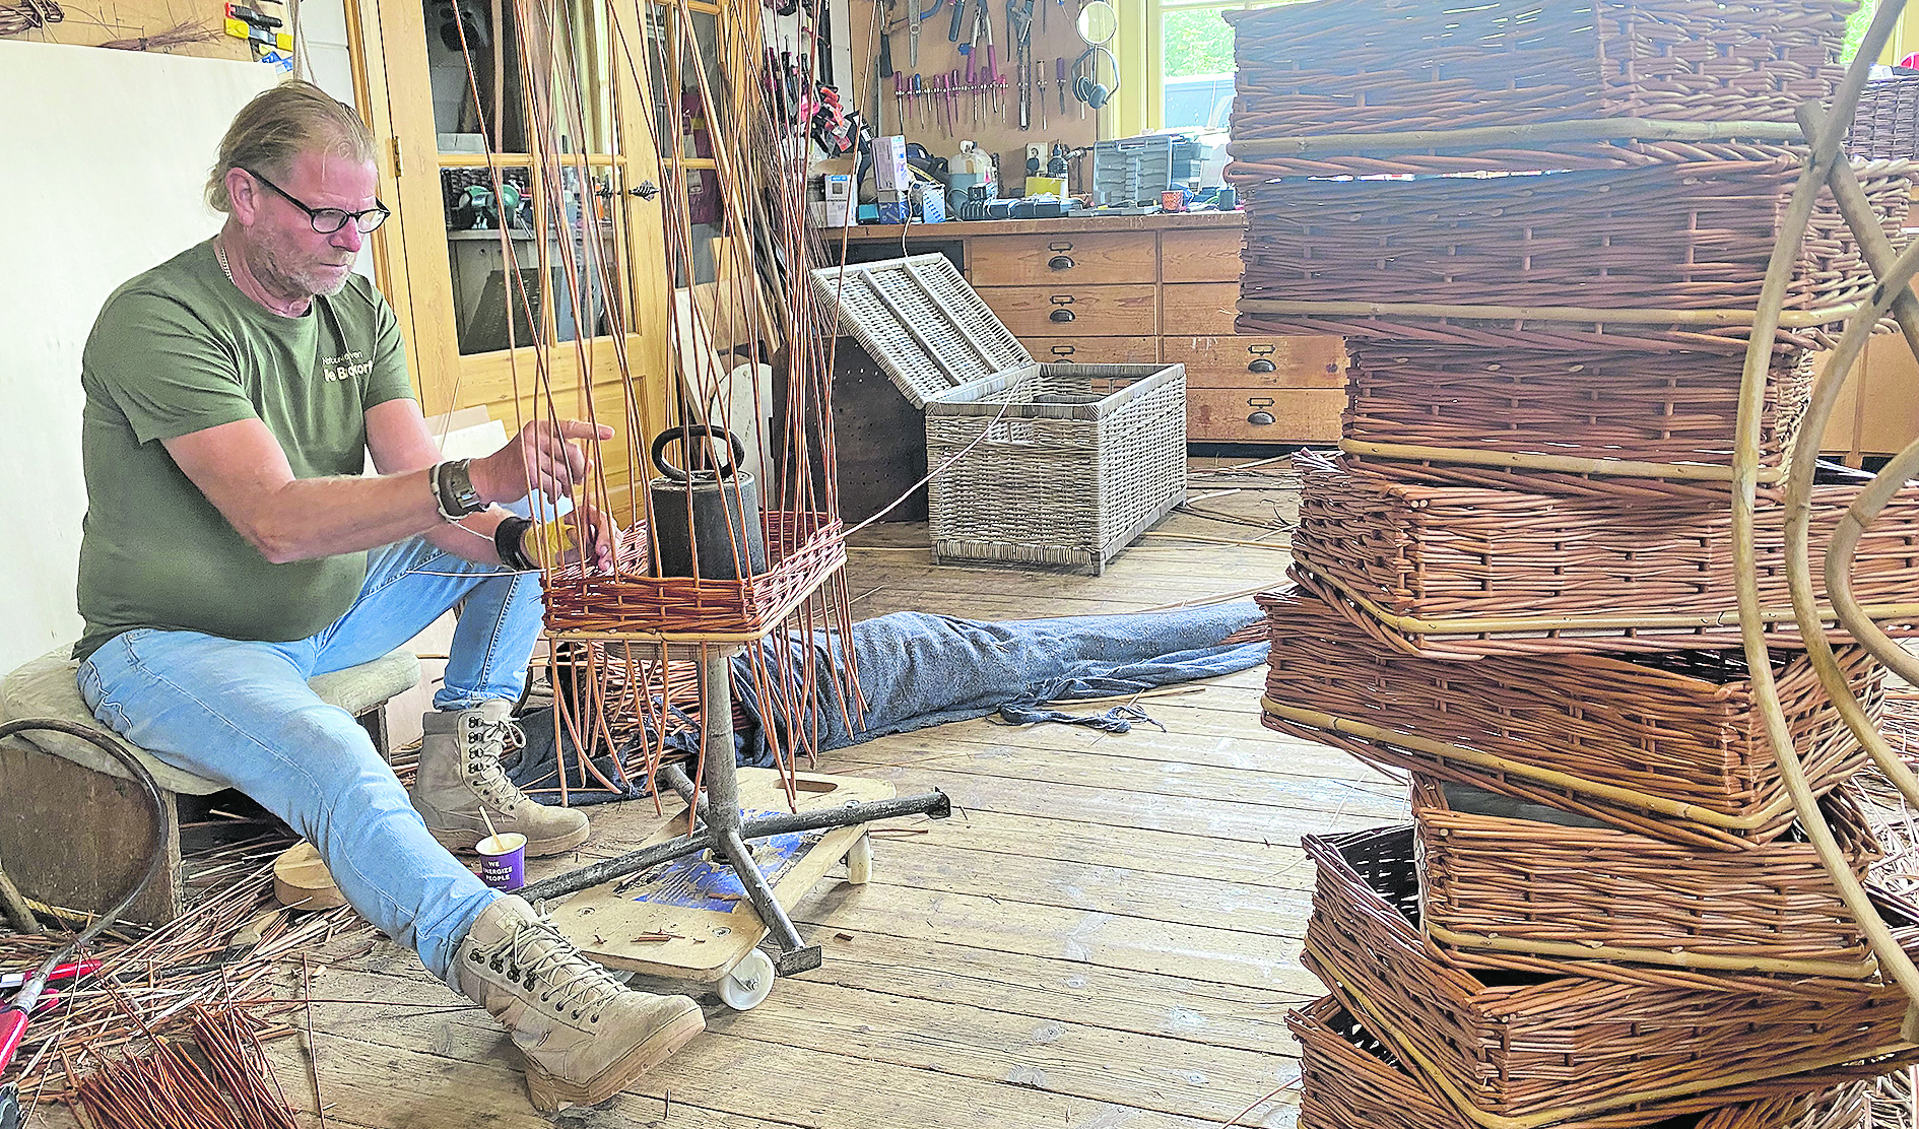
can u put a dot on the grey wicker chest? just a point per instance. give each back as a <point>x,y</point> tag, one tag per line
<point>1045,464</point>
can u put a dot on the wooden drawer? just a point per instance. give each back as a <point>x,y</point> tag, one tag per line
<point>1258,362</point>
<point>1076,311</point>
<point>1095,350</point>
<point>1228,415</point>
<point>1210,255</point>
<point>1200,309</point>
<point>1068,258</point>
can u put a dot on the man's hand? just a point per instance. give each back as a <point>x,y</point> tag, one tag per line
<point>590,535</point>
<point>544,456</point>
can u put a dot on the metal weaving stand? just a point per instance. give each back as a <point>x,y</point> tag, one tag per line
<point>724,829</point>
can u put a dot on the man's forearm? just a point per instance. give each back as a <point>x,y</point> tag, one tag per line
<point>472,538</point>
<point>320,517</point>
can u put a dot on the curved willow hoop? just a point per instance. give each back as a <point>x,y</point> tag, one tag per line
<point>1820,168</point>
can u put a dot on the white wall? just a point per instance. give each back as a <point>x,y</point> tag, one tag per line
<point>110,150</point>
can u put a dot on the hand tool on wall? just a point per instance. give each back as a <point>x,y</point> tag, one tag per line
<point>1039,87</point>
<point>886,70</point>
<point>899,98</point>
<point>953,100</point>
<point>1059,76</point>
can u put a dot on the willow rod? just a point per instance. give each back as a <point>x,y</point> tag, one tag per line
<point>1746,455</point>
<point>1608,129</point>
<point>1570,464</point>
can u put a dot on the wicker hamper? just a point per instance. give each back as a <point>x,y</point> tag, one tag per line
<point>1669,745</point>
<point>1513,1043</point>
<point>1049,464</point>
<point>1350,1079</point>
<point>1886,125</point>
<point>1362,66</point>
<point>1499,875</point>
<point>1676,254</point>
<point>1447,571</point>
<point>1448,404</point>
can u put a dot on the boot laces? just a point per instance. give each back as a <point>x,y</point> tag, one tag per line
<point>545,964</point>
<point>485,743</point>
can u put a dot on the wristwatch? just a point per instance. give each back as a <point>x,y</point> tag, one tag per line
<point>453,490</point>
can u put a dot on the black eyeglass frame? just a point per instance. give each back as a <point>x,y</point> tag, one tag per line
<point>313,214</point>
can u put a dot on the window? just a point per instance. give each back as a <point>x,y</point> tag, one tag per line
<point>1188,63</point>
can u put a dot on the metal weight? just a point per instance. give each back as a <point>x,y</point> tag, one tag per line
<point>706,522</point>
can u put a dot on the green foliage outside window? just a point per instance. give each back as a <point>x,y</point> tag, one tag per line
<point>1856,28</point>
<point>1197,43</point>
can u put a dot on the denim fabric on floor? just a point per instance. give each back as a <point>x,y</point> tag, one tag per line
<point>241,713</point>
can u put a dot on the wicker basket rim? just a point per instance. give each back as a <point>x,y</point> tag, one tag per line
<point>1569,464</point>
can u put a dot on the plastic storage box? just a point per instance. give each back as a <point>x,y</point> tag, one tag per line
<point>1049,464</point>
<point>1132,171</point>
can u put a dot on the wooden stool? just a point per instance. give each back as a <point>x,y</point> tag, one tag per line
<point>61,790</point>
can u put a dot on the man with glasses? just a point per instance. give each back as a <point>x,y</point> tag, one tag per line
<point>232,549</point>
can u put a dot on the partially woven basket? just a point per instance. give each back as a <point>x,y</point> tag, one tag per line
<point>1350,1079</point>
<point>1447,571</point>
<point>1517,1044</point>
<point>1502,876</point>
<point>1669,745</point>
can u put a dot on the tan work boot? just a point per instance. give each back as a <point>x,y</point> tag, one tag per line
<point>585,1036</point>
<point>460,773</point>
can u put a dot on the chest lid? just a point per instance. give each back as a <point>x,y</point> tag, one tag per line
<point>922,321</point>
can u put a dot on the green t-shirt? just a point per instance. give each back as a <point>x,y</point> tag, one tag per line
<point>179,349</point>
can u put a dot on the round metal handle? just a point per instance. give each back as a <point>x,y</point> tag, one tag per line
<point>1063,315</point>
<point>1061,262</point>
<point>1261,419</point>
<point>664,438</point>
<point>1261,365</point>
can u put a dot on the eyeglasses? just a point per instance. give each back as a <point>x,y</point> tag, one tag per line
<point>326,221</point>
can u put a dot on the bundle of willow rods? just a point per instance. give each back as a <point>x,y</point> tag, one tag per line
<point>225,949</point>
<point>166,1088</point>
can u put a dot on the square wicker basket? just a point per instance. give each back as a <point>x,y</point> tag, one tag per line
<point>1448,404</point>
<point>1046,464</point>
<point>1450,571</point>
<point>1669,745</point>
<point>1518,1043</point>
<point>1350,1079</point>
<point>1501,876</point>
<point>1363,66</point>
<point>1662,258</point>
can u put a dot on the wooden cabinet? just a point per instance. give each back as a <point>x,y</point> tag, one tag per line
<point>1167,293</point>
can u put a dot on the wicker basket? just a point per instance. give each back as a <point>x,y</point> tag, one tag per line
<point>1886,125</point>
<point>804,550</point>
<point>1506,876</point>
<point>1541,408</point>
<point>1048,464</point>
<point>1360,66</point>
<point>1661,258</point>
<point>1514,1044</point>
<point>1349,1079</point>
<point>1448,571</point>
<point>1667,745</point>
<point>1056,464</point>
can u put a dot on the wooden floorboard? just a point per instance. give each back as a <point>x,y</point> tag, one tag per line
<point>1105,934</point>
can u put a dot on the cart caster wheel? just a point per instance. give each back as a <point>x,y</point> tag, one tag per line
<point>859,860</point>
<point>747,985</point>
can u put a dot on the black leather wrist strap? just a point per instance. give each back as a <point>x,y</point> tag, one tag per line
<point>509,540</point>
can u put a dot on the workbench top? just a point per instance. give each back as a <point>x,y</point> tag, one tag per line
<point>960,229</point>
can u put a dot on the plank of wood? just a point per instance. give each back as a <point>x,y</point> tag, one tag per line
<point>1146,783</point>
<point>1226,1015</point>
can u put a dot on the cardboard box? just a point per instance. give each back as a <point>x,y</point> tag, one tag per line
<point>889,164</point>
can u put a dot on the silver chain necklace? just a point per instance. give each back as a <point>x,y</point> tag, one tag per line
<point>221,256</point>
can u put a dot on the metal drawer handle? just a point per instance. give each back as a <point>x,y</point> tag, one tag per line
<point>1260,417</point>
<point>1063,315</point>
<point>1262,365</point>
<point>1061,262</point>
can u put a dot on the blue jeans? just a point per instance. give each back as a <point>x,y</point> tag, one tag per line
<point>240,713</point>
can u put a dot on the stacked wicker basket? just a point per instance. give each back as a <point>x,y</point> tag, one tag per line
<point>1542,227</point>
